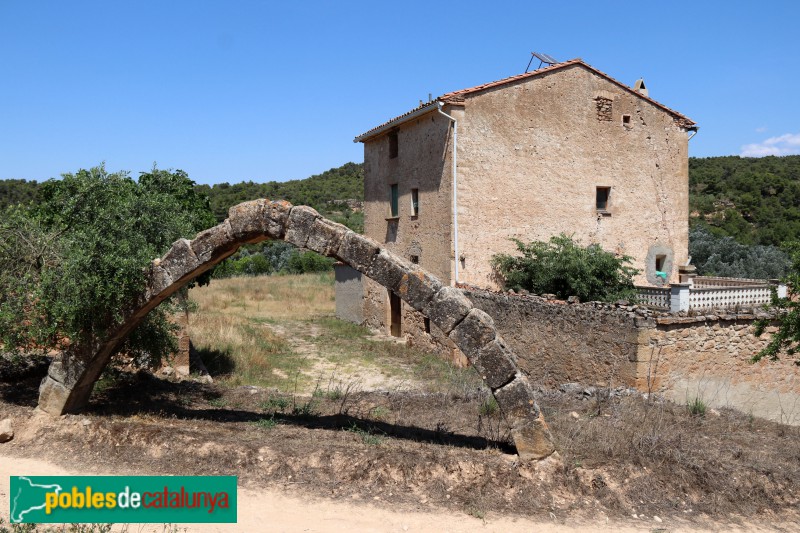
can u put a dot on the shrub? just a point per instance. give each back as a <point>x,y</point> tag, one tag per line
<point>272,257</point>
<point>787,338</point>
<point>723,256</point>
<point>308,262</point>
<point>562,267</point>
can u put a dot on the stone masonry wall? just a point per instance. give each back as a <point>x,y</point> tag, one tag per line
<point>709,358</point>
<point>680,357</point>
<point>560,343</point>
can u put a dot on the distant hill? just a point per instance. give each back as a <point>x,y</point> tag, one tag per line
<point>754,200</point>
<point>17,192</point>
<point>337,193</point>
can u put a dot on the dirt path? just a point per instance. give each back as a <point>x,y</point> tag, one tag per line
<point>266,509</point>
<point>302,335</point>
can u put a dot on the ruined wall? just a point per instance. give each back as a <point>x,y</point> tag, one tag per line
<point>680,357</point>
<point>530,156</point>
<point>349,293</point>
<point>423,163</point>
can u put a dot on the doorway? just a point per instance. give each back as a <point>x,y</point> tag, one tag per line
<point>395,314</point>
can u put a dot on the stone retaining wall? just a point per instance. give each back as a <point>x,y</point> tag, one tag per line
<point>681,357</point>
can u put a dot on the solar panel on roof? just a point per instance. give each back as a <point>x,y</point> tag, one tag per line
<point>549,59</point>
<point>543,58</point>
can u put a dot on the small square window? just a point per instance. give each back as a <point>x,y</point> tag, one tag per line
<point>601,199</point>
<point>394,204</point>
<point>414,202</point>
<point>626,120</point>
<point>415,259</point>
<point>393,148</point>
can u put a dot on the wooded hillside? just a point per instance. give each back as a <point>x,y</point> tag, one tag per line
<point>754,200</point>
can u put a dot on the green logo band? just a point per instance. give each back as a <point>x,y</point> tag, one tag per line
<point>123,499</point>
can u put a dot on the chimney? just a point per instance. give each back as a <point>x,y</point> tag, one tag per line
<point>640,88</point>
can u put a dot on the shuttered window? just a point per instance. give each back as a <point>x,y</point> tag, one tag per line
<point>394,200</point>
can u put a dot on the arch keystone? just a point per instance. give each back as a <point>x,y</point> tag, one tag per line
<point>258,219</point>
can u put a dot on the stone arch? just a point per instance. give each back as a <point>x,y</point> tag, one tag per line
<point>71,377</point>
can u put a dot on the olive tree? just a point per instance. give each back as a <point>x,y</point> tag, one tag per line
<point>74,259</point>
<point>787,338</point>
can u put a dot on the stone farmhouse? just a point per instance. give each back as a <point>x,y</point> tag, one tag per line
<point>565,148</point>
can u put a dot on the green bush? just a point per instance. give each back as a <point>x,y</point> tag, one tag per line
<point>562,267</point>
<point>787,338</point>
<point>308,262</point>
<point>272,257</point>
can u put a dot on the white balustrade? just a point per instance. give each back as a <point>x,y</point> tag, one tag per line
<point>708,293</point>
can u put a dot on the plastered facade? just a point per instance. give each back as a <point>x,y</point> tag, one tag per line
<point>531,156</point>
<point>423,163</point>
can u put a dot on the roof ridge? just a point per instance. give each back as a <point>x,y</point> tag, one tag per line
<point>509,79</point>
<point>456,97</point>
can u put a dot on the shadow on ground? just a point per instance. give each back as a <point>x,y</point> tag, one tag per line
<point>126,394</point>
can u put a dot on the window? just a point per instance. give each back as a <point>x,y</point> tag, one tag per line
<point>660,262</point>
<point>415,259</point>
<point>427,325</point>
<point>626,120</point>
<point>601,200</point>
<point>394,201</point>
<point>392,144</point>
<point>414,202</point>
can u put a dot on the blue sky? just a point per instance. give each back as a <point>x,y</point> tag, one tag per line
<point>246,90</point>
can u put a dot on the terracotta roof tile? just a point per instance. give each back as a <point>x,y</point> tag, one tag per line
<point>458,97</point>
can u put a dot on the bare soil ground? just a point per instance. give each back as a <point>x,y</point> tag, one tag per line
<point>433,447</point>
<point>625,460</point>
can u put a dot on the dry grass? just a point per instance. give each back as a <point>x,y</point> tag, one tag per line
<point>349,344</point>
<point>646,456</point>
<point>228,326</point>
<point>245,329</point>
<point>268,297</point>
